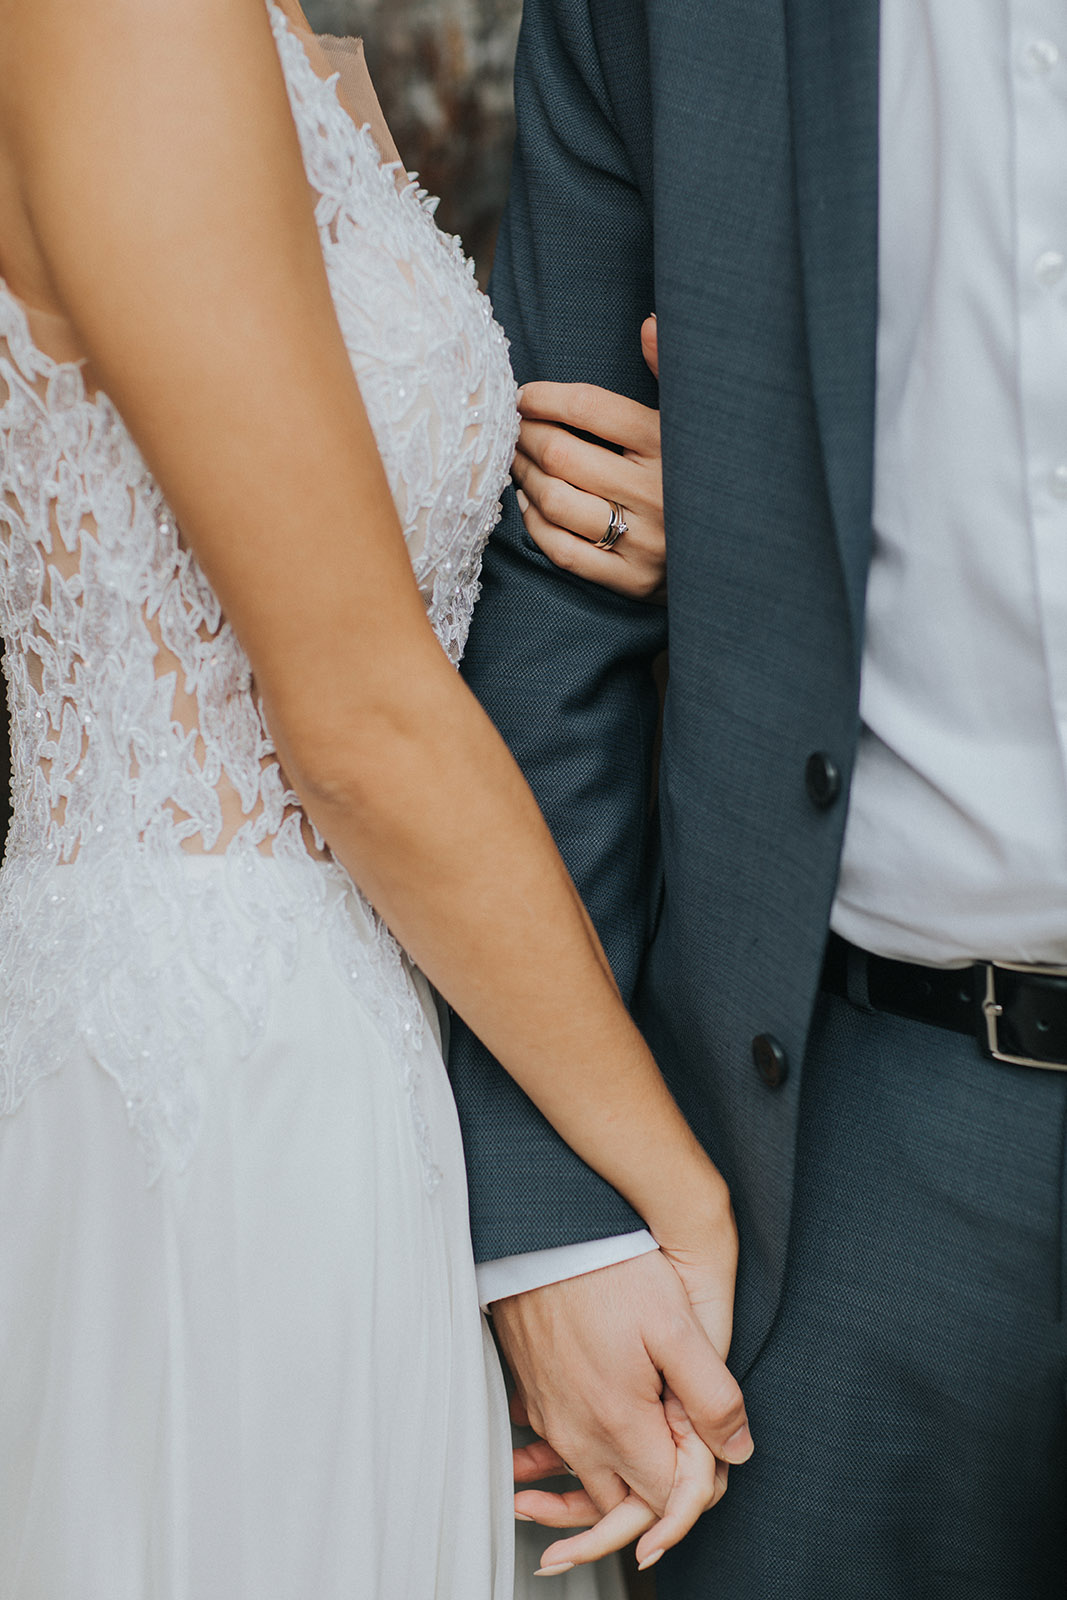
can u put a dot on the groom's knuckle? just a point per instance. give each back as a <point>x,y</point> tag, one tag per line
<point>535,1416</point>
<point>616,1420</point>
<point>679,1327</point>
<point>726,1405</point>
<point>656,1488</point>
<point>567,1442</point>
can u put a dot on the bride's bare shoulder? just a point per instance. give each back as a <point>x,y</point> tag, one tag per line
<point>80,64</point>
<point>26,19</point>
<point>40,37</point>
<point>60,54</point>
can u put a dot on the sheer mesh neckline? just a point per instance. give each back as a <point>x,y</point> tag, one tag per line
<point>345,69</point>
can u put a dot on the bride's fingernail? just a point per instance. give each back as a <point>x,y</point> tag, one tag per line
<point>520,1516</point>
<point>554,1572</point>
<point>649,1561</point>
<point>524,504</point>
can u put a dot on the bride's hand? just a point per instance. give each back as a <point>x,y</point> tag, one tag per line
<point>568,487</point>
<point>699,1483</point>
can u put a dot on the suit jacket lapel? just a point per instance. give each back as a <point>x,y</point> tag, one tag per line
<point>833,73</point>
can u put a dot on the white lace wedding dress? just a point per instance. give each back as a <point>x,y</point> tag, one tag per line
<point>240,1351</point>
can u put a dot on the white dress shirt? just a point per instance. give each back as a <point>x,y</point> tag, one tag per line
<point>956,843</point>
<point>956,840</point>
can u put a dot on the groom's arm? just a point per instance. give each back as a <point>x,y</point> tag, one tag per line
<point>563,666</point>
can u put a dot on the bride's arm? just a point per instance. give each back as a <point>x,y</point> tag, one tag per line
<point>162,179</point>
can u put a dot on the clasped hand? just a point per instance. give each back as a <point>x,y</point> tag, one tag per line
<point>622,1373</point>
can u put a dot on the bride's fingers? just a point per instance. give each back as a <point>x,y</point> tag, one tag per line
<point>561,503</point>
<point>699,1483</point>
<point>618,1528</point>
<point>536,1460</point>
<point>640,577</point>
<point>573,1508</point>
<point>566,524</point>
<point>595,468</point>
<point>685,1506</point>
<point>614,417</point>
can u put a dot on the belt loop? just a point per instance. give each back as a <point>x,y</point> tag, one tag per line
<point>856,977</point>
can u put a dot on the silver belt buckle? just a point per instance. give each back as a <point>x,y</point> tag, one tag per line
<point>992,1010</point>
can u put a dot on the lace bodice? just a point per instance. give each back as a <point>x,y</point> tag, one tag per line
<point>136,730</point>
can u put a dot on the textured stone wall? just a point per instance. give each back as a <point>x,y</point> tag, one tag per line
<point>442,69</point>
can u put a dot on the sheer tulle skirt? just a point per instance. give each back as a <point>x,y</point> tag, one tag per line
<point>264,1377</point>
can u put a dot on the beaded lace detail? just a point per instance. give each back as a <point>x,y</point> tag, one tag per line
<point>136,730</point>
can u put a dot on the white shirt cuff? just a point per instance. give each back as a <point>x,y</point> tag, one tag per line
<point>516,1274</point>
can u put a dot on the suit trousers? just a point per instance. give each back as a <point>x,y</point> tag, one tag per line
<point>908,1407</point>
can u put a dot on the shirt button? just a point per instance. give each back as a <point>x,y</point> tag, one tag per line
<point>770,1059</point>
<point>822,780</point>
<point>1048,268</point>
<point>1040,56</point>
<point>1058,481</point>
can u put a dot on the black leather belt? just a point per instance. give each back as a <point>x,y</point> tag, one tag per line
<point>1017,1013</point>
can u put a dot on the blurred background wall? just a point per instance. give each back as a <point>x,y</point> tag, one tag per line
<point>442,69</point>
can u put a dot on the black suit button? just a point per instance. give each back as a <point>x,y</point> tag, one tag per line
<point>772,1063</point>
<point>822,779</point>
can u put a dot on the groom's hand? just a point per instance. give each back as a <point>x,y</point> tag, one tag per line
<point>591,1356</point>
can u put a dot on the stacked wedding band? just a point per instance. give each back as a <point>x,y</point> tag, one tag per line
<point>615,529</point>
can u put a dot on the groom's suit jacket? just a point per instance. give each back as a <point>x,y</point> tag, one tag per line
<point>716,161</point>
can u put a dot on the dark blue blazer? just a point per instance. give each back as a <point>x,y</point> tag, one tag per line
<point>714,160</point>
